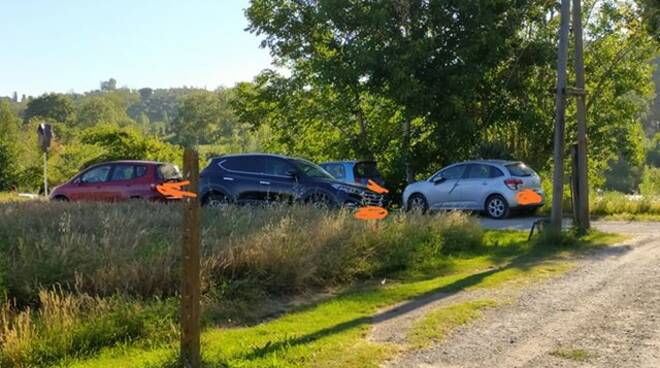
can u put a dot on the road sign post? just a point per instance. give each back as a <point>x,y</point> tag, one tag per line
<point>45,134</point>
<point>190,276</point>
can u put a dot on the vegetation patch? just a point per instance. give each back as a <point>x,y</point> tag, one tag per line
<point>438,323</point>
<point>577,355</point>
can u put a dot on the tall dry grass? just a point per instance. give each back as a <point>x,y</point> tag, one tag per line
<point>616,203</point>
<point>86,269</point>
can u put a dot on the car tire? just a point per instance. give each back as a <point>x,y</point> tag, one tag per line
<point>60,198</point>
<point>216,200</point>
<point>417,202</point>
<point>497,207</point>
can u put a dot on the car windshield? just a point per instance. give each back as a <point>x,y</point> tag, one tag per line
<point>519,169</point>
<point>312,170</point>
<point>169,172</point>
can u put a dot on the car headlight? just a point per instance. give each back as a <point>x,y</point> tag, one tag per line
<point>347,189</point>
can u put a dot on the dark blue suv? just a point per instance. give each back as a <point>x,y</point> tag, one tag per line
<point>263,178</point>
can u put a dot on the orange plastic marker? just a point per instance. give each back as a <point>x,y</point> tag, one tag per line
<point>370,213</point>
<point>375,187</point>
<point>173,190</point>
<point>528,196</point>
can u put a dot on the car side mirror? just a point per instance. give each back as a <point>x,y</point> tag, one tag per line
<point>439,180</point>
<point>293,173</point>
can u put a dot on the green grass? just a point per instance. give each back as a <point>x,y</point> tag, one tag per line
<point>577,355</point>
<point>332,333</point>
<point>438,323</point>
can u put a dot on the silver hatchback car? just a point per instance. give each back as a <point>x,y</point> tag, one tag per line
<point>491,186</point>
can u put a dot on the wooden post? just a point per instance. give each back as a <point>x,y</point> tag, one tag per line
<point>562,61</point>
<point>582,190</point>
<point>190,276</point>
<point>46,174</point>
<point>574,182</point>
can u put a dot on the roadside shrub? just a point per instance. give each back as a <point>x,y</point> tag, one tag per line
<point>612,203</point>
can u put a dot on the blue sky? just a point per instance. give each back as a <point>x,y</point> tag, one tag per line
<point>50,45</point>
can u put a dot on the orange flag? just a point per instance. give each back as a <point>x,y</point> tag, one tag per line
<point>375,187</point>
<point>173,190</point>
<point>528,196</point>
<point>370,213</point>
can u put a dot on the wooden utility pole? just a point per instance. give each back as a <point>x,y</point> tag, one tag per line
<point>562,61</point>
<point>190,273</point>
<point>582,187</point>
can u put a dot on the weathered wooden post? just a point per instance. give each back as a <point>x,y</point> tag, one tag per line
<point>562,61</point>
<point>190,273</point>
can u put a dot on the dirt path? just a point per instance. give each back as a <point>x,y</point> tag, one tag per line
<point>604,313</point>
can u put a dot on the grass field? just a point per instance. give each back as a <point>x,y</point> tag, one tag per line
<point>94,285</point>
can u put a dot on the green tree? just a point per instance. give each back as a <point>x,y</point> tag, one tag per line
<point>99,109</point>
<point>203,117</point>
<point>53,106</point>
<point>9,125</point>
<point>127,144</point>
<point>429,58</point>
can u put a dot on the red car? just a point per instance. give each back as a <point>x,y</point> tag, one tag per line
<point>117,181</point>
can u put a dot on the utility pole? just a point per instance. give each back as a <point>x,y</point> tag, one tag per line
<point>562,61</point>
<point>582,186</point>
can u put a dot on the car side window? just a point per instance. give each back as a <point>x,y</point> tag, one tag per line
<point>452,173</point>
<point>337,170</point>
<point>495,172</point>
<point>478,171</point>
<point>96,175</point>
<point>251,164</point>
<point>140,171</point>
<point>276,166</point>
<point>123,172</point>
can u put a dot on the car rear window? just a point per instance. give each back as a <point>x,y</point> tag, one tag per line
<point>366,169</point>
<point>519,169</point>
<point>337,170</point>
<point>169,172</point>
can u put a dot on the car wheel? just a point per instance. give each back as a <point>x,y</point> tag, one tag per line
<point>61,198</point>
<point>320,200</point>
<point>497,207</point>
<point>216,200</point>
<point>417,202</point>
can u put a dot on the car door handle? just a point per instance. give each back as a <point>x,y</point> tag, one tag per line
<point>227,178</point>
<point>484,183</point>
<point>264,182</point>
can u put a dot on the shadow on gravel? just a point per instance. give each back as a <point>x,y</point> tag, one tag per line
<point>522,262</point>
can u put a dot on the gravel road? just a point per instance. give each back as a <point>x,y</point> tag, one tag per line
<point>603,313</point>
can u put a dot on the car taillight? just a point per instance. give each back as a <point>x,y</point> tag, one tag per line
<point>513,183</point>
